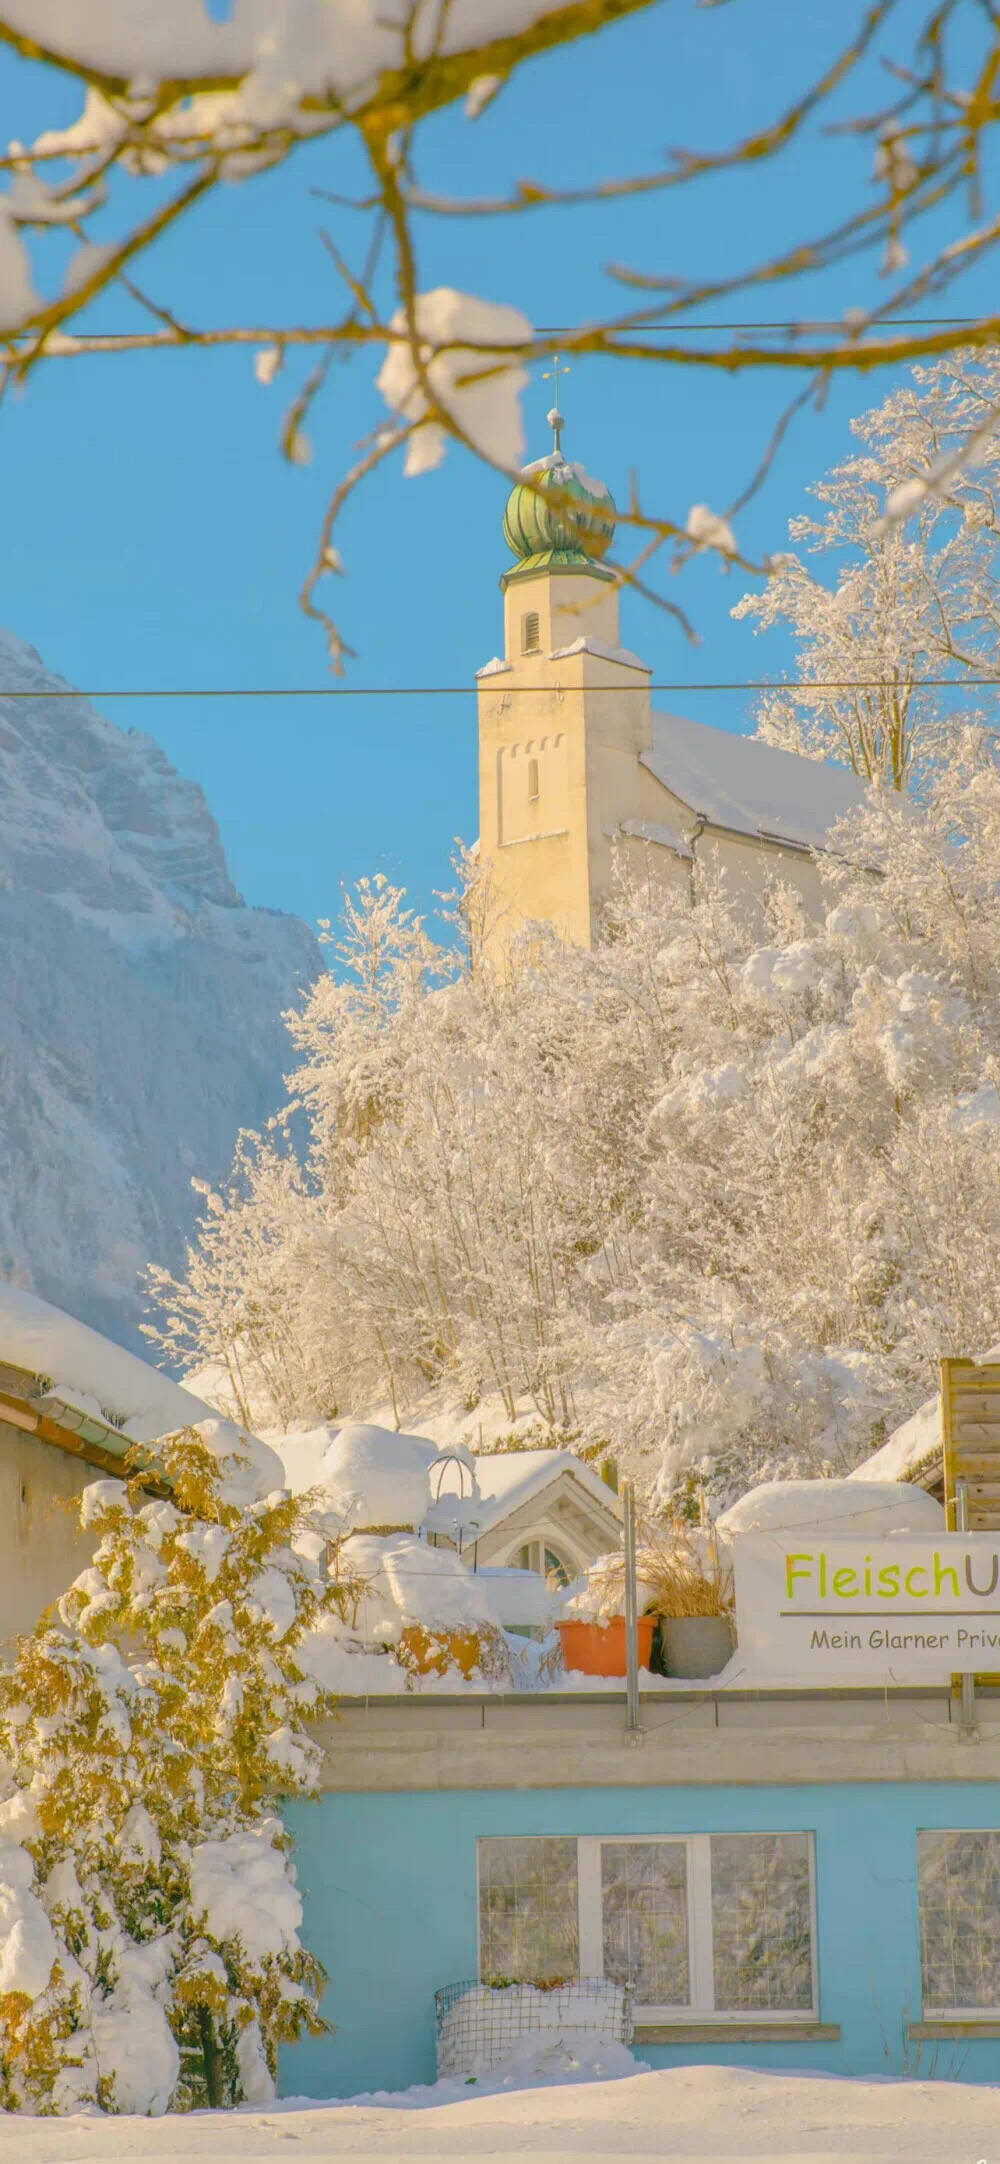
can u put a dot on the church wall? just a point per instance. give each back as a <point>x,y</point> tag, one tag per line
<point>532,803</point>
<point>750,867</point>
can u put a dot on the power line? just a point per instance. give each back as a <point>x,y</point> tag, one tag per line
<point>467,691</point>
<point>779,323</point>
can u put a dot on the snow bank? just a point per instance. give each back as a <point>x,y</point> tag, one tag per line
<point>868,1508</point>
<point>687,2114</point>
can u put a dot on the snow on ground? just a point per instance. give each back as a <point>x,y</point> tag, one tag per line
<point>687,2114</point>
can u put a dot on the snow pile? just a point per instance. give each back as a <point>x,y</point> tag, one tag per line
<point>487,406</point>
<point>520,1599</point>
<point>241,1888</point>
<point>521,2029</point>
<point>371,1476</point>
<point>408,1582</point>
<point>598,1594</point>
<point>136,2051</point>
<point>141,1022</point>
<point>870,1509</point>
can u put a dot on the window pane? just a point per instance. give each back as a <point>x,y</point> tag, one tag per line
<point>528,1917</point>
<point>644,1919</point>
<point>761,1925</point>
<point>959,1880</point>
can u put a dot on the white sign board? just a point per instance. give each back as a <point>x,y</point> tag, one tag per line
<point>905,1610</point>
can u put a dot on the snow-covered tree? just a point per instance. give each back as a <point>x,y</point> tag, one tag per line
<point>911,529</point>
<point>148,1729</point>
<point>715,1194</point>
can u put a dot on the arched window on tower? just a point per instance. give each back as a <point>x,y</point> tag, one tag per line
<point>532,781</point>
<point>530,629</point>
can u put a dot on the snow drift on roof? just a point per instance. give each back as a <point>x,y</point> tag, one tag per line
<point>94,1376</point>
<point>736,782</point>
<point>913,1447</point>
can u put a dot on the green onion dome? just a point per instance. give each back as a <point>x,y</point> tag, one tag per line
<point>577,527</point>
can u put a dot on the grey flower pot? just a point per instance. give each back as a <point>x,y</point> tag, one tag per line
<point>696,1645</point>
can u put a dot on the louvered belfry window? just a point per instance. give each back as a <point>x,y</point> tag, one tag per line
<point>529,632</point>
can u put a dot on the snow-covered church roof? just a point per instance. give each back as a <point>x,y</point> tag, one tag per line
<point>748,787</point>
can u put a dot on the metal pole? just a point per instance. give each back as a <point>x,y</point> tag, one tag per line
<point>632,1724</point>
<point>968,1679</point>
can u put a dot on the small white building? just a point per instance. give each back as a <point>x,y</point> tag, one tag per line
<point>540,1510</point>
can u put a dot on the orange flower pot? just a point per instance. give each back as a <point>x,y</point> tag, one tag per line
<point>598,1649</point>
<point>432,1653</point>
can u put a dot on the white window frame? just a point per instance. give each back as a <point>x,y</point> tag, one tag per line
<point>700,2005</point>
<point>950,2013</point>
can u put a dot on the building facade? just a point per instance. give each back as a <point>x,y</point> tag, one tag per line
<point>795,1880</point>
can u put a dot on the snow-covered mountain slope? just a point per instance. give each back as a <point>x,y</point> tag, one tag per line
<point>140,1001</point>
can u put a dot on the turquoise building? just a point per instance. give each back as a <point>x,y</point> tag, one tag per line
<point>788,1879</point>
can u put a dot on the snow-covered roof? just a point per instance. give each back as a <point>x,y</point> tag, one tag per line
<point>509,1478</point>
<point>914,1448</point>
<point>735,782</point>
<point>78,1370</point>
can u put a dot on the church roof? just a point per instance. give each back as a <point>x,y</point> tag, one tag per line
<point>750,788</point>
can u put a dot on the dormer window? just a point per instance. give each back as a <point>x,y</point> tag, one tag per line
<point>529,632</point>
<point>532,781</point>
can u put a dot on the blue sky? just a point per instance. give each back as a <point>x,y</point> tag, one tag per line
<point>153,535</point>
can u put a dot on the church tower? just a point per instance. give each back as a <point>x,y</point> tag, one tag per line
<point>564,714</point>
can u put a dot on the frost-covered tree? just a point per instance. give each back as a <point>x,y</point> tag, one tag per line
<point>148,1728</point>
<point>715,1194</point>
<point>910,530</point>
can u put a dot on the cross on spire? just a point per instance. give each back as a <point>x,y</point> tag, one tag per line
<point>554,417</point>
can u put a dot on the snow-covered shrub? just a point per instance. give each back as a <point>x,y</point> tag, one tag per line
<point>148,1907</point>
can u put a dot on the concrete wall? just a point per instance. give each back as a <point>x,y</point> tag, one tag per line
<point>41,1546</point>
<point>389,1882</point>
